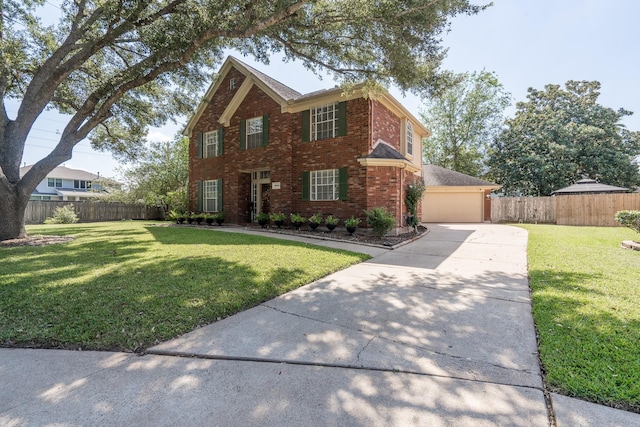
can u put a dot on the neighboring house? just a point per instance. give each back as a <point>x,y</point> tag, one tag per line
<point>67,184</point>
<point>589,186</point>
<point>257,145</point>
<point>455,197</point>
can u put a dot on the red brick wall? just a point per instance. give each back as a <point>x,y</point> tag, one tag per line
<point>386,125</point>
<point>212,167</point>
<point>333,154</point>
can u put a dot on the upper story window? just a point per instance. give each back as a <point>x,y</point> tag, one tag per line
<point>54,182</point>
<point>80,184</point>
<point>211,144</point>
<point>254,132</point>
<point>232,83</point>
<point>324,122</point>
<point>409,138</point>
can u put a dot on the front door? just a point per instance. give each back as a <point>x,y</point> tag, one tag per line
<point>260,189</point>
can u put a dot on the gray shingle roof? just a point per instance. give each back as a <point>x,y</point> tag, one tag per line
<point>64,172</point>
<point>280,88</point>
<point>587,185</point>
<point>436,176</point>
<point>384,151</point>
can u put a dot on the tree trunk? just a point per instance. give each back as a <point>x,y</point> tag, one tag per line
<point>12,209</point>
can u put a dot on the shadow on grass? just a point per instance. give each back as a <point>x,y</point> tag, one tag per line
<point>589,349</point>
<point>102,295</point>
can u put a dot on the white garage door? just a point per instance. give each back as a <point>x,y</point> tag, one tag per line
<point>452,207</point>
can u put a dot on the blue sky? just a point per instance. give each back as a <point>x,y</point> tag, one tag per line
<point>527,43</point>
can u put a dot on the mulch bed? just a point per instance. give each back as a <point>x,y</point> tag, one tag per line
<point>361,236</point>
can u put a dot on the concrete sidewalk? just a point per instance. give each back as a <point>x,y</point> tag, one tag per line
<point>438,332</point>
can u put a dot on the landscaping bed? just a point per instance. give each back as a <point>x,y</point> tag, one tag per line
<point>361,236</point>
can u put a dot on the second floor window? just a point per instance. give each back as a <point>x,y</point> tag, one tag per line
<point>211,144</point>
<point>324,121</point>
<point>81,184</point>
<point>54,182</point>
<point>409,138</point>
<point>254,132</point>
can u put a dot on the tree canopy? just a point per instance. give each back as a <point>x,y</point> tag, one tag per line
<point>560,135</point>
<point>117,67</point>
<point>159,176</point>
<point>464,120</point>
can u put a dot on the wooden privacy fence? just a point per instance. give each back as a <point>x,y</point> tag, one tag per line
<point>579,209</point>
<point>87,211</point>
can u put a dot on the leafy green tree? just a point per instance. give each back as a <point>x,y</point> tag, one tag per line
<point>118,67</point>
<point>559,135</point>
<point>464,119</point>
<point>160,176</point>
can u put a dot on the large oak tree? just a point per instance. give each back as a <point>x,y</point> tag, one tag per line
<point>119,66</point>
<point>560,135</point>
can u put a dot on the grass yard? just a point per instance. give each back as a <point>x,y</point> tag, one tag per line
<point>129,285</point>
<point>586,306</point>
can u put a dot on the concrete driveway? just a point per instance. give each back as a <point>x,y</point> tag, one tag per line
<point>436,333</point>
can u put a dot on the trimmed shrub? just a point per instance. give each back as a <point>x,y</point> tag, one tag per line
<point>63,215</point>
<point>629,219</point>
<point>380,220</point>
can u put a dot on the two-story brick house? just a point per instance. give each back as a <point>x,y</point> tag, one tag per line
<point>257,145</point>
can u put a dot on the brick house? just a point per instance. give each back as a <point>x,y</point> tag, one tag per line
<point>257,145</point>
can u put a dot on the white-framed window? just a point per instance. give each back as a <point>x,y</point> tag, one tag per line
<point>254,132</point>
<point>325,184</point>
<point>232,83</point>
<point>210,141</point>
<point>81,184</point>
<point>54,182</point>
<point>324,121</point>
<point>409,137</point>
<point>210,196</point>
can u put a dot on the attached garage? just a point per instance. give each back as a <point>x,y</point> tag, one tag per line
<point>455,197</point>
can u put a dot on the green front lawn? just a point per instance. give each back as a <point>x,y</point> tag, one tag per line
<point>586,306</point>
<point>129,285</point>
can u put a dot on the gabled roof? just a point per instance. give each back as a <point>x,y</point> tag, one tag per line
<point>587,185</point>
<point>280,88</point>
<point>290,100</point>
<point>436,176</point>
<point>63,172</point>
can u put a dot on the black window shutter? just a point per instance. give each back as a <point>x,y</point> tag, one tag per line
<point>220,134</point>
<point>200,137</point>
<point>243,134</point>
<point>219,207</point>
<point>306,185</point>
<point>265,130</point>
<point>343,183</point>
<point>199,184</point>
<point>306,126</point>
<point>342,118</point>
